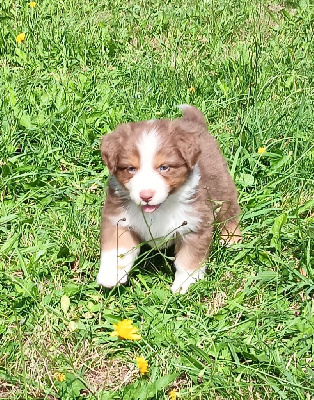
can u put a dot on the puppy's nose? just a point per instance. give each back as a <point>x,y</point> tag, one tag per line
<point>146,195</point>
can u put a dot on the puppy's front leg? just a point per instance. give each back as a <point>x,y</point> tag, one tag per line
<point>191,254</point>
<point>119,249</point>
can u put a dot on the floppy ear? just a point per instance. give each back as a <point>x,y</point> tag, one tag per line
<point>109,151</point>
<point>189,148</point>
<point>112,144</point>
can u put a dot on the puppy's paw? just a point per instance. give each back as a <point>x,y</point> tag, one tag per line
<point>182,287</point>
<point>111,278</point>
<point>228,238</point>
<point>115,266</point>
<point>185,278</point>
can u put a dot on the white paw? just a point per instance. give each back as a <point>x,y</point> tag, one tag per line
<point>224,243</point>
<point>185,278</point>
<point>111,278</point>
<point>114,267</point>
<point>230,244</point>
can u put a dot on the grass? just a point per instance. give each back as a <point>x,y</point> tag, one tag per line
<point>246,331</point>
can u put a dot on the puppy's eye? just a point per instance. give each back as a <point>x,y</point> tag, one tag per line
<point>131,170</point>
<point>163,168</point>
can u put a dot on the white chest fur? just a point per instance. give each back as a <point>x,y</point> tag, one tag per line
<point>176,215</point>
<point>169,220</point>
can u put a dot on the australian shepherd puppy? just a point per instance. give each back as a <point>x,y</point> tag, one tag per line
<point>169,184</point>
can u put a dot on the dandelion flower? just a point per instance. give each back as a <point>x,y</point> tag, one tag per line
<point>192,89</point>
<point>261,150</point>
<point>58,376</point>
<point>173,394</point>
<point>32,4</point>
<point>125,330</point>
<point>20,37</point>
<point>142,365</point>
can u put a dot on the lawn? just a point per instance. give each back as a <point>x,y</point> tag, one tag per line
<point>83,67</point>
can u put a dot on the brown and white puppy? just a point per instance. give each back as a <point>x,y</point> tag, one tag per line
<point>169,183</point>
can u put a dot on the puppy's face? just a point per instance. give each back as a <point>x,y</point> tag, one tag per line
<point>150,159</point>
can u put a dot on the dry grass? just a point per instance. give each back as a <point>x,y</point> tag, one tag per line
<point>45,353</point>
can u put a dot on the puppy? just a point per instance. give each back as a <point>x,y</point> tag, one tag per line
<point>169,184</point>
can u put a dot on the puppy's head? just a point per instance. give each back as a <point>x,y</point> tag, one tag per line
<point>151,159</point>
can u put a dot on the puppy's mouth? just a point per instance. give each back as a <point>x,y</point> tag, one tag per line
<point>147,208</point>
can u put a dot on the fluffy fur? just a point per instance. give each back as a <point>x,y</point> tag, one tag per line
<point>169,184</point>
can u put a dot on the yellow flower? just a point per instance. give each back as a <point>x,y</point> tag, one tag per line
<point>142,365</point>
<point>192,89</point>
<point>125,330</point>
<point>32,4</point>
<point>20,37</point>
<point>261,150</point>
<point>173,394</point>
<point>58,376</point>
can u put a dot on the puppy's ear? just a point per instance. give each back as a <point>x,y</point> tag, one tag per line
<point>189,148</point>
<point>110,150</point>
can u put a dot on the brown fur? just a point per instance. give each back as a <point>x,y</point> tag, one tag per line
<point>185,142</point>
<point>216,187</point>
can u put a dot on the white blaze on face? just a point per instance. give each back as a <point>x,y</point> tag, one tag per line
<point>147,178</point>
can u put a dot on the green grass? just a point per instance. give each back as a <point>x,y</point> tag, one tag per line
<point>246,331</point>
